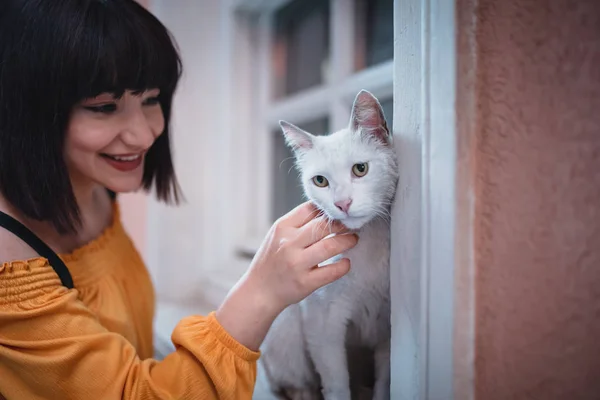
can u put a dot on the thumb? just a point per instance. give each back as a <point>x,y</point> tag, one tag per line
<point>321,276</point>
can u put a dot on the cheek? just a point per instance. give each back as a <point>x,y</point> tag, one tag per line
<point>321,196</point>
<point>86,135</point>
<point>156,120</point>
<point>369,194</point>
<point>362,191</point>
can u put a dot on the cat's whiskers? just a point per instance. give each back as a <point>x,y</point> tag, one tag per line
<point>284,160</point>
<point>320,213</point>
<point>312,215</point>
<point>384,214</point>
<point>329,224</point>
<point>383,207</point>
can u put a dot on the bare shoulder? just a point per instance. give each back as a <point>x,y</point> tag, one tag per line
<point>13,248</point>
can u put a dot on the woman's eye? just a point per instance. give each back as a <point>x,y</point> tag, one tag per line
<point>151,101</point>
<point>103,108</point>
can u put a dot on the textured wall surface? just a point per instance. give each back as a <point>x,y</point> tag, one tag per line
<point>537,186</point>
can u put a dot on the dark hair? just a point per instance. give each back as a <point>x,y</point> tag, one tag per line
<point>55,53</point>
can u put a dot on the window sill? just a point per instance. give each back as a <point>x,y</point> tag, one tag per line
<point>167,317</point>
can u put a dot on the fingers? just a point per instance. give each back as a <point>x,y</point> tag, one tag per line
<point>317,229</point>
<point>327,248</point>
<point>322,276</point>
<point>300,215</point>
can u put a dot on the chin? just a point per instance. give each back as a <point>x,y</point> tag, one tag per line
<point>124,186</point>
<point>354,223</point>
<point>349,221</point>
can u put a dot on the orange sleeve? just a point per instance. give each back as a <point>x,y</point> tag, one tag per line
<point>53,347</point>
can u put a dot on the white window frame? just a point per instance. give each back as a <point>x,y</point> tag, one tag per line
<point>332,99</point>
<point>432,268</point>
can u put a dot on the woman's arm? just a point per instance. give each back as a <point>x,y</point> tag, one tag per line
<point>284,271</point>
<point>52,346</point>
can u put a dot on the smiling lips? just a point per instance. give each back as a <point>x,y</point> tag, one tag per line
<point>124,162</point>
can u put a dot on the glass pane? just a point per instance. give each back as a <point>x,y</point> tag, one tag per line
<point>388,112</point>
<point>287,188</point>
<point>374,32</point>
<point>301,46</point>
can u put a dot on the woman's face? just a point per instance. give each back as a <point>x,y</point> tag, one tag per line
<point>108,137</point>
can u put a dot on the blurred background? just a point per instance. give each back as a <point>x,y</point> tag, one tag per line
<point>248,64</point>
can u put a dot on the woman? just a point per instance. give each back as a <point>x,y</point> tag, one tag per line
<point>85,99</point>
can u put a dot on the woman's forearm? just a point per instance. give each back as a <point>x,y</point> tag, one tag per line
<point>246,314</point>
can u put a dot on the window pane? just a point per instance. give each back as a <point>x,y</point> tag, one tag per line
<point>301,46</point>
<point>388,112</point>
<point>374,32</point>
<point>287,188</point>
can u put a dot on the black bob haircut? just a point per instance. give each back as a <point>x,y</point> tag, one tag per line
<point>55,53</point>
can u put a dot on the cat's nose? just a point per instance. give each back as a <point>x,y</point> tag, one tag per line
<point>343,205</point>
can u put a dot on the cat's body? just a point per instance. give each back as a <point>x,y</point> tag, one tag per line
<point>304,352</point>
<point>313,335</point>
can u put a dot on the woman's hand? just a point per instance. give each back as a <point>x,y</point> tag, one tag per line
<point>284,271</point>
<point>285,267</point>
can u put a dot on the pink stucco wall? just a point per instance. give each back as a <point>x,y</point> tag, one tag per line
<point>536,158</point>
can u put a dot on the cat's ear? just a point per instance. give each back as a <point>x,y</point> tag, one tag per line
<point>367,117</point>
<point>296,138</point>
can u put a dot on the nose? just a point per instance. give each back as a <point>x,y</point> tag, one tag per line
<point>344,205</point>
<point>138,131</point>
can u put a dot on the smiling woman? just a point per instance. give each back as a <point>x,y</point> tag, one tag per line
<point>85,104</point>
<point>109,132</point>
<point>76,65</point>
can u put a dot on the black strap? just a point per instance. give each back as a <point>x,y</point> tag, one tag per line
<point>20,230</point>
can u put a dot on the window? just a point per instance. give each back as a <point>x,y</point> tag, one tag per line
<point>301,46</point>
<point>311,58</point>
<point>374,32</point>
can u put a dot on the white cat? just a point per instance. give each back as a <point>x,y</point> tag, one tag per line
<point>351,175</point>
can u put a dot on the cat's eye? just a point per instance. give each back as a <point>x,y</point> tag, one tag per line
<point>320,181</point>
<point>360,169</point>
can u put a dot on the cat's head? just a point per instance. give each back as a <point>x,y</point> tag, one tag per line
<point>350,174</point>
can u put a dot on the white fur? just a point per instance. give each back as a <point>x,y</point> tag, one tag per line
<point>305,348</point>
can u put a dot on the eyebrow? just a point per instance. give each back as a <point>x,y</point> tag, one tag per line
<point>134,92</point>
